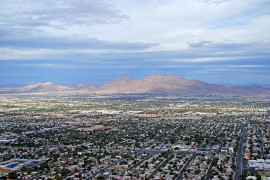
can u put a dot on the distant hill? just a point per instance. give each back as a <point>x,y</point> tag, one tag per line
<point>164,84</point>
<point>42,88</point>
<point>155,84</point>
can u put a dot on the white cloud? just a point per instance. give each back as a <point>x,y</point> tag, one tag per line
<point>170,25</point>
<point>176,22</point>
<point>58,13</point>
<point>77,66</point>
<point>208,59</point>
<point>248,66</point>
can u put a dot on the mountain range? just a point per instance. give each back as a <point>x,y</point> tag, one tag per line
<point>154,84</point>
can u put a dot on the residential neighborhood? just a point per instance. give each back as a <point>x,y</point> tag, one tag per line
<point>134,138</point>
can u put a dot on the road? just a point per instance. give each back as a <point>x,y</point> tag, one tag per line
<point>208,173</point>
<point>239,159</point>
<point>212,163</point>
<point>139,162</point>
<point>210,168</point>
<point>149,151</point>
<point>230,129</point>
<point>135,165</point>
<point>105,168</point>
<point>186,165</point>
<point>261,144</point>
<point>155,171</point>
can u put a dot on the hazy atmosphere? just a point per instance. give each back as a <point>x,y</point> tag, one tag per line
<point>91,42</point>
<point>135,89</point>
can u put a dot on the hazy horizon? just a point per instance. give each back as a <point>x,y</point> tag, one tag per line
<point>100,82</point>
<point>216,41</point>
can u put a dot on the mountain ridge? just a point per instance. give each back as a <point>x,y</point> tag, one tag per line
<point>154,84</point>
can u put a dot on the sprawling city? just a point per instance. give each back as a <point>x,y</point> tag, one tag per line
<point>134,90</point>
<point>134,137</point>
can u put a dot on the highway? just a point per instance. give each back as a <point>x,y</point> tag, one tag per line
<point>238,170</point>
<point>239,159</point>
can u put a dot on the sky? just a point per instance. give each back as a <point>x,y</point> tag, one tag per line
<point>94,41</point>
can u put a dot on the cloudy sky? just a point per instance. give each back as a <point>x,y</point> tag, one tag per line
<point>93,41</point>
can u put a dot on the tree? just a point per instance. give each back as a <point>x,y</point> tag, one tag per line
<point>12,175</point>
<point>59,177</point>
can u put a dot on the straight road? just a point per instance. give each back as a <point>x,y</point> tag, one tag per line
<point>186,165</point>
<point>261,144</point>
<point>105,168</point>
<point>135,165</point>
<point>155,171</point>
<point>239,159</point>
<point>215,158</point>
<point>210,168</point>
